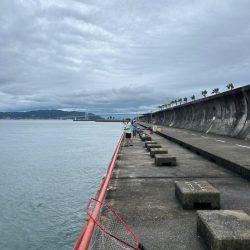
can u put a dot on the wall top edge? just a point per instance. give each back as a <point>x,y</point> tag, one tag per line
<point>209,98</point>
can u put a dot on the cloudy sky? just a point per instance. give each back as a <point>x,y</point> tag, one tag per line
<point>116,55</point>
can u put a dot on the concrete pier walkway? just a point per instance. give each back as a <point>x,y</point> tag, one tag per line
<point>144,194</point>
<point>231,153</point>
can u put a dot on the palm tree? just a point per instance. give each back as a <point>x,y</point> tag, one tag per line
<point>172,103</point>
<point>185,99</point>
<point>180,100</point>
<point>175,102</point>
<point>215,91</point>
<point>204,93</point>
<point>193,97</point>
<point>230,86</point>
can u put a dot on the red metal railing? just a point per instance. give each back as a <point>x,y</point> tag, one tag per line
<point>86,234</point>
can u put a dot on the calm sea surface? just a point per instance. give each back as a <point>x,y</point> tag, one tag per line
<point>48,171</point>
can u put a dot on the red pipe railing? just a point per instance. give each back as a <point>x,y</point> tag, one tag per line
<point>86,234</point>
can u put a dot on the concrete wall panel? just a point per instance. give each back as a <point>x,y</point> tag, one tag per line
<point>227,113</point>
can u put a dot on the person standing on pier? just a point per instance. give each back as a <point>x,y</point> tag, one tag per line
<point>128,133</point>
<point>134,123</point>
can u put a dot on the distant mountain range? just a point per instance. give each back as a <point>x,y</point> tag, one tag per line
<point>48,114</point>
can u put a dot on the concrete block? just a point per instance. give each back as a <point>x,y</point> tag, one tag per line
<point>149,146</point>
<point>150,142</point>
<point>197,195</point>
<point>154,151</point>
<point>224,229</point>
<point>165,160</point>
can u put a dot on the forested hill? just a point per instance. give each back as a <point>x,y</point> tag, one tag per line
<point>47,114</point>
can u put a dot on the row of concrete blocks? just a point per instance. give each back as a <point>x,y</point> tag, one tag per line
<point>162,158</point>
<point>220,229</point>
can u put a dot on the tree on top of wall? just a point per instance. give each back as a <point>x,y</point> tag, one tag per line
<point>193,97</point>
<point>215,91</point>
<point>180,100</point>
<point>230,86</point>
<point>175,102</point>
<point>204,93</point>
<point>185,99</point>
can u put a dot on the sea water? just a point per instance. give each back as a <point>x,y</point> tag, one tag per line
<point>48,171</point>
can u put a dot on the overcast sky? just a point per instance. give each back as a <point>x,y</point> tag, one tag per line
<point>116,55</point>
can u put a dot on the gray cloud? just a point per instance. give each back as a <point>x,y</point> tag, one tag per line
<point>115,55</point>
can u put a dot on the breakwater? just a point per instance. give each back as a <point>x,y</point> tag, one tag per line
<point>227,113</point>
<point>159,200</point>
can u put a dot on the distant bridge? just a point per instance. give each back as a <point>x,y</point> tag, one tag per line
<point>89,116</point>
<point>121,113</point>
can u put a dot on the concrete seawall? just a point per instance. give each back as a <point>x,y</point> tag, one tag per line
<point>227,114</point>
